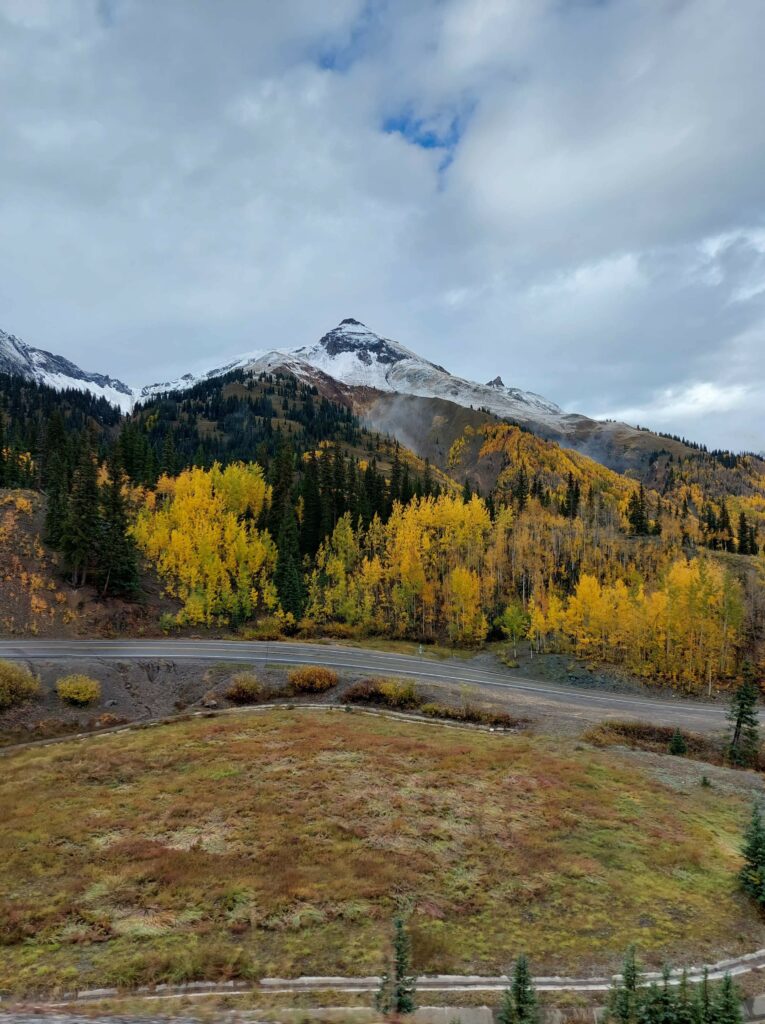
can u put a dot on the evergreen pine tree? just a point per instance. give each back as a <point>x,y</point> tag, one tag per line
<point>677,744</point>
<point>726,1005</point>
<point>743,535</point>
<point>725,529</point>
<point>524,996</point>
<point>56,507</point>
<point>119,555</point>
<point>684,1005</point>
<point>169,463</point>
<point>521,488</point>
<point>506,1013</point>
<point>81,536</point>
<point>665,1002</point>
<point>637,512</point>
<point>752,874</point>
<point>397,990</point>
<point>427,479</point>
<point>281,487</point>
<point>623,999</point>
<point>744,745</point>
<point>288,578</point>
<point>703,1009</point>
<point>310,532</point>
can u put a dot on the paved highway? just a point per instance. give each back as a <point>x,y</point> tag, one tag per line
<point>531,694</point>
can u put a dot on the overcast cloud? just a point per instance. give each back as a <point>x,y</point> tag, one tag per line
<point>570,193</point>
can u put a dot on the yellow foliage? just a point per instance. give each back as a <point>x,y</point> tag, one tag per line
<point>201,536</point>
<point>79,689</point>
<point>685,631</point>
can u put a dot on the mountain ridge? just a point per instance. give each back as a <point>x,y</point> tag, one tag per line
<point>395,389</point>
<point>36,364</point>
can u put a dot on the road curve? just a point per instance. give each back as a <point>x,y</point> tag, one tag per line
<point>543,696</point>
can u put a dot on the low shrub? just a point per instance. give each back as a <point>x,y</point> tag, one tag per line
<point>474,715</point>
<point>107,721</point>
<point>658,738</point>
<point>79,690</point>
<point>245,688</point>
<point>268,628</point>
<point>17,685</point>
<point>400,694</point>
<point>340,631</point>
<point>312,679</point>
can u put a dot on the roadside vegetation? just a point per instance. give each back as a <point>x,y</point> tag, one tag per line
<point>17,685</point>
<point>79,690</point>
<point>740,748</point>
<point>284,844</point>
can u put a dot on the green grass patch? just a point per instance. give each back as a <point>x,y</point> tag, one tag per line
<point>283,843</point>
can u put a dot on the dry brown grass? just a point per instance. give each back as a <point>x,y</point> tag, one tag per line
<point>283,843</point>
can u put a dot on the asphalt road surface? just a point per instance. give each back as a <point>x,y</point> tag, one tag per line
<point>533,695</point>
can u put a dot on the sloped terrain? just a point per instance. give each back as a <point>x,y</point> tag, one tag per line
<point>282,843</point>
<point>35,598</point>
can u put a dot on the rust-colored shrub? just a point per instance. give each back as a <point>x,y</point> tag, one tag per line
<point>474,715</point>
<point>244,688</point>
<point>312,679</point>
<point>400,694</point>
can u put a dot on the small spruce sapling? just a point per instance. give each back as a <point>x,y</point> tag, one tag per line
<point>397,990</point>
<point>519,1001</point>
<point>677,744</point>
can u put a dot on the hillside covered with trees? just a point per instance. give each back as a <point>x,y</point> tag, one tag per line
<point>257,497</point>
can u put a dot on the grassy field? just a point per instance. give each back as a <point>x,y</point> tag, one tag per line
<point>282,843</point>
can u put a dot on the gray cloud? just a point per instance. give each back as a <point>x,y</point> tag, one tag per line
<point>568,193</point>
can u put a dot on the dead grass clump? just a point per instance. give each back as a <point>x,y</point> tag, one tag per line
<point>79,690</point>
<point>657,738</point>
<point>17,685</point>
<point>312,679</point>
<point>245,688</point>
<point>400,694</point>
<point>474,715</point>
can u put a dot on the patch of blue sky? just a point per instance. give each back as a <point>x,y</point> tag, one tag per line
<point>437,133</point>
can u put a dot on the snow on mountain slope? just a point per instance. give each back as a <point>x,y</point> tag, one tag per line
<point>356,357</point>
<point>21,360</point>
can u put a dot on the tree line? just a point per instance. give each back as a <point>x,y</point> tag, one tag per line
<point>631,1000</point>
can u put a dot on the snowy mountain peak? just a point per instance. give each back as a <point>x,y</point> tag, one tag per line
<point>349,358</point>
<point>21,360</point>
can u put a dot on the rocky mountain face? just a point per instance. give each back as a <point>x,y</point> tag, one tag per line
<point>356,358</point>
<point>394,389</point>
<point>21,360</point>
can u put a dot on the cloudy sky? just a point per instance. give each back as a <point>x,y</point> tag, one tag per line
<point>570,193</point>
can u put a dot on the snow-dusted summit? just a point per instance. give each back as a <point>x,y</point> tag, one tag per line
<point>356,357</point>
<point>21,360</point>
<point>350,359</point>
